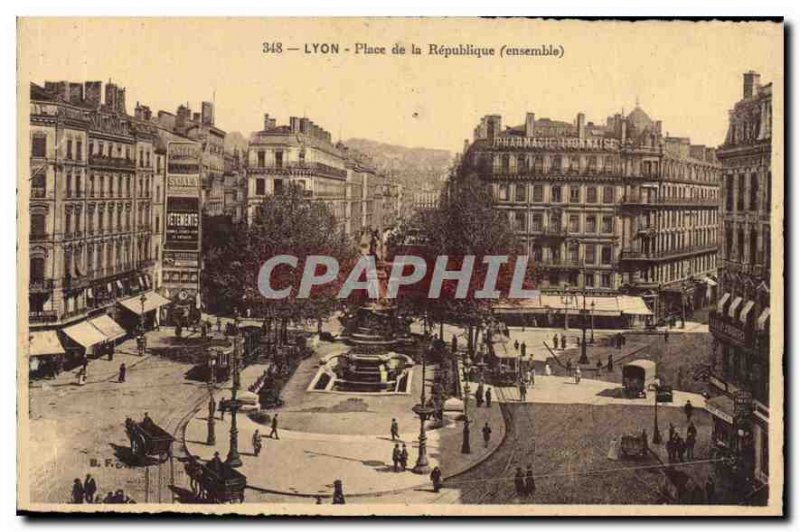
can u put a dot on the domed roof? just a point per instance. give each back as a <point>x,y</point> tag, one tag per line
<point>638,119</point>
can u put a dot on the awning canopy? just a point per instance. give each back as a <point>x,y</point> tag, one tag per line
<point>108,327</point>
<point>152,301</point>
<point>721,303</point>
<point>85,334</point>
<point>721,407</point>
<point>746,310</point>
<point>761,322</point>
<point>45,343</point>
<point>732,309</point>
<point>633,305</point>
<point>710,282</point>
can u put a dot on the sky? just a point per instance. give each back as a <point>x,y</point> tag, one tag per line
<point>686,74</point>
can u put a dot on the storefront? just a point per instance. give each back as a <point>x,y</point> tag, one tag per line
<point>558,310</point>
<point>111,330</point>
<point>143,309</point>
<point>83,340</point>
<point>45,354</point>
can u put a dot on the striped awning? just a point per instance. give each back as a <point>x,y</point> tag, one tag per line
<point>110,328</point>
<point>152,301</point>
<point>761,322</point>
<point>85,334</point>
<point>732,309</point>
<point>634,305</point>
<point>746,310</point>
<point>44,343</point>
<point>721,303</point>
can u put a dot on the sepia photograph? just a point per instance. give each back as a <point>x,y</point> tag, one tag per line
<point>400,266</point>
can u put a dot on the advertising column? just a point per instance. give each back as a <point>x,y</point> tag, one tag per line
<point>182,232</point>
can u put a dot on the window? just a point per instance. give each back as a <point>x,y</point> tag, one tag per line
<point>538,193</point>
<point>588,280</point>
<point>69,148</point>
<point>536,222</point>
<point>39,146</point>
<point>608,224</point>
<point>575,194</point>
<point>502,192</point>
<point>505,163</point>
<point>521,166</point>
<point>591,223</point>
<point>740,190</point>
<point>261,188</point>
<point>605,257</point>
<point>520,192</point>
<point>753,192</point>
<point>572,253</point>
<point>158,223</point>
<point>574,226</point>
<point>38,224</point>
<point>37,269</point>
<point>519,220</point>
<point>605,280</point>
<point>79,150</point>
<point>556,194</point>
<point>589,250</point>
<point>278,159</point>
<point>608,194</point>
<point>591,194</point>
<point>261,160</point>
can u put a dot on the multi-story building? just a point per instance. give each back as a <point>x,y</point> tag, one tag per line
<point>91,221</point>
<point>298,154</point>
<point>234,185</point>
<point>587,202</point>
<point>741,321</point>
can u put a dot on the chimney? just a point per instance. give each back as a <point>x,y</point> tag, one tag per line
<point>121,102</point>
<point>581,123</point>
<point>304,123</point>
<point>92,93</point>
<point>207,113</point>
<point>182,117</point>
<point>294,124</point>
<point>466,145</point>
<point>658,127</point>
<point>624,131</point>
<point>273,123</point>
<point>75,93</point>
<point>530,123</point>
<point>266,121</point>
<point>751,84</point>
<point>111,96</point>
<point>195,117</point>
<point>138,112</point>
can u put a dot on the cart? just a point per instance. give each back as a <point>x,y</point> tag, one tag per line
<point>217,484</point>
<point>148,439</point>
<point>634,445</point>
<point>638,376</point>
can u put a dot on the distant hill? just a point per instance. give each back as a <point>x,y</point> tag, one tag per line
<point>234,139</point>
<point>415,167</point>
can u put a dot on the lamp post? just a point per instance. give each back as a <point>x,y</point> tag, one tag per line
<point>583,359</point>
<point>211,438</point>
<point>656,432</point>
<point>423,411</point>
<point>591,340</point>
<point>565,299</point>
<point>465,448</point>
<point>233,459</point>
<point>142,300</point>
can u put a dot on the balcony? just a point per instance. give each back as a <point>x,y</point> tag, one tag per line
<point>112,162</point>
<point>309,169</point>
<point>74,282</point>
<point>639,255</point>
<point>550,231</point>
<point>40,237</point>
<point>43,316</point>
<point>40,285</point>
<point>558,264</point>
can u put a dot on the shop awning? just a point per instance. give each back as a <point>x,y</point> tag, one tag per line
<point>761,322</point>
<point>45,343</point>
<point>721,407</point>
<point>746,310</point>
<point>85,334</point>
<point>710,282</point>
<point>152,301</point>
<point>732,309</point>
<point>110,328</point>
<point>603,306</point>
<point>721,303</point>
<point>633,305</point>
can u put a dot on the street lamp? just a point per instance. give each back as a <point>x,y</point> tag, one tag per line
<point>233,458</point>
<point>211,438</point>
<point>591,340</point>
<point>423,411</point>
<point>142,300</point>
<point>465,448</point>
<point>656,432</point>
<point>565,299</point>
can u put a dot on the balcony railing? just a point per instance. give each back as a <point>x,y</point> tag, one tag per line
<point>114,162</point>
<point>39,237</point>
<point>635,254</point>
<point>301,169</point>
<point>43,316</point>
<point>40,285</point>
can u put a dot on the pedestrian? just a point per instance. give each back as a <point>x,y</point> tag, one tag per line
<point>523,349</point>
<point>680,447</point>
<point>436,479</point>
<point>274,431</point>
<point>624,340</point>
<point>488,397</point>
<point>89,488</point>
<point>479,395</point>
<point>671,449</point>
<point>516,345</point>
<point>710,489</point>
<point>613,449</point>
<point>523,391</point>
<point>404,457</point>
<point>519,481</point>
<point>215,464</point>
<point>487,433</point>
<point>109,498</point>
<point>599,364</point>
<point>569,366</point>
<point>531,377</point>
<point>395,430</point>
<point>396,457</point>
<point>122,371</point>
<point>691,430</point>
<point>77,492</point>
<point>666,335</point>
<point>688,409</point>
<point>578,375</point>
<point>555,341</point>
<point>530,483</point>
<point>547,369</point>
<point>671,430</point>
<point>110,353</point>
<point>256,443</point>
<point>219,324</point>
<point>338,492</point>
<point>454,344</point>
<point>691,439</point>
<point>563,342</point>
<point>610,364</point>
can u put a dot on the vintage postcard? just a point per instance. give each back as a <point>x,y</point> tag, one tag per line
<point>400,266</point>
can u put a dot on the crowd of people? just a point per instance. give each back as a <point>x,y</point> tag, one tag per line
<point>86,493</point>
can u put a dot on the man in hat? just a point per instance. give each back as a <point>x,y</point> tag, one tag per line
<point>487,433</point>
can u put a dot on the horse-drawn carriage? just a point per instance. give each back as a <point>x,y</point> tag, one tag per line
<point>215,482</point>
<point>634,445</point>
<point>148,439</point>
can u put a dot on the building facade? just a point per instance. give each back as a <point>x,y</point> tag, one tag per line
<point>741,320</point>
<point>599,207</point>
<point>91,218</point>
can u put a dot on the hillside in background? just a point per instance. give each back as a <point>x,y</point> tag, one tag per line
<point>415,167</point>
